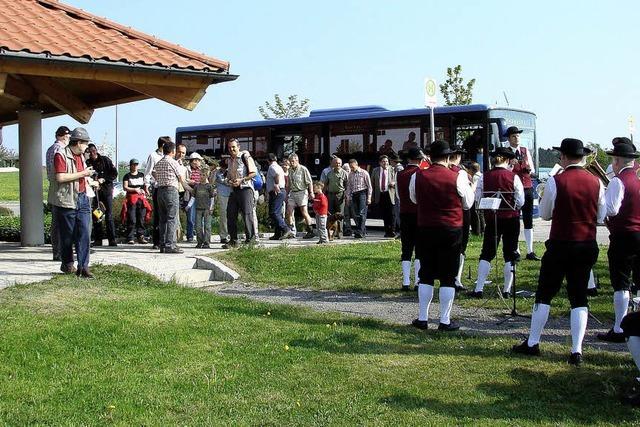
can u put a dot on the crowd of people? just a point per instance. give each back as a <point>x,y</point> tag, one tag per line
<point>428,203</point>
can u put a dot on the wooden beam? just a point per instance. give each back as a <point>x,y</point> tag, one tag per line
<point>105,73</point>
<point>3,82</point>
<point>182,97</point>
<point>17,90</point>
<point>55,94</point>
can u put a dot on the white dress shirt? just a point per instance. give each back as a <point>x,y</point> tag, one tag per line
<point>614,195</point>
<point>153,158</point>
<point>548,201</point>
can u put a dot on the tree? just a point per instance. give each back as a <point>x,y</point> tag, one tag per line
<point>454,90</point>
<point>280,110</point>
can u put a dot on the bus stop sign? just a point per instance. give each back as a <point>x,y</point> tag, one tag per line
<point>430,90</point>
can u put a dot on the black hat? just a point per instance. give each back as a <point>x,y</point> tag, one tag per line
<point>415,153</point>
<point>623,140</point>
<point>62,131</point>
<point>572,147</point>
<point>513,130</point>
<point>622,149</point>
<point>504,152</point>
<point>440,148</point>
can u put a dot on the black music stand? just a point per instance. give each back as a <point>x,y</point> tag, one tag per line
<point>496,201</point>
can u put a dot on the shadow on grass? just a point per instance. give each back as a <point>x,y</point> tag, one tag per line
<point>577,397</point>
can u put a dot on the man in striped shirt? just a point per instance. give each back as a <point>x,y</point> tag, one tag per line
<point>358,193</point>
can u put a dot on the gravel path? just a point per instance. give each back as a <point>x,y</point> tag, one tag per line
<point>402,310</point>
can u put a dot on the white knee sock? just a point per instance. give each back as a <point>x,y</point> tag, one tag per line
<point>592,280</point>
<point>528,238</point>
<point>446,295</point>
<point>579,318</point>
<point>406,273</point>
<point>425,295</point>
<point>538,320</point>
<point>484,267</point>
<point>460,268</point>
<point>634,348</point>
<point>416,271</point>
<point>620,306</point>
<point>508,277</point>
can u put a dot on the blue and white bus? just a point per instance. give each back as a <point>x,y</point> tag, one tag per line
<point>364,133</point>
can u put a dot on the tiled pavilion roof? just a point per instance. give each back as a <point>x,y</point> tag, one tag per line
<point>48,49</point>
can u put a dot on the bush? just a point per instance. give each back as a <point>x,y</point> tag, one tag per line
<point>5,211</point>
<point>10,228</point>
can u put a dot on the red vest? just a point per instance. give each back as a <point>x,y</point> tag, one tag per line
<point>439,204</point>
<point>576,206</point>
<point>501,179</point>
<point>403,179</point>
<point>523,168</point>
<point>628,218</point>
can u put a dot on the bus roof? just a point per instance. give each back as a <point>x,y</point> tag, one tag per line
<point>348,113</point>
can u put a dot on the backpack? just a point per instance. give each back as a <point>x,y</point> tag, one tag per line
<point>257,180</point>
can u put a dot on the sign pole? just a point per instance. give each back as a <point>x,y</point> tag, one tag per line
<point>431,101</point>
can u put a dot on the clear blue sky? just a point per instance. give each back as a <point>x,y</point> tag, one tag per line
<point>575,63</point>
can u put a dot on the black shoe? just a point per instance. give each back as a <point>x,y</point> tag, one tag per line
<point>460,288</point>
<point>199,246</point>
<point>162,250</point>
<point>347,233</point>
<point>357,236</point>
<point>230,245</point>
<point>206,246</point>
<point>420,324</point>
<point>524,348</point>
<point>611,336</point>
<point>68,268</point>
<point>96,243</point>
<point>506,295</point>
<point>288,235</point>
<point>452,326</point>
<point>531,256</point>
<point>84,273</point>
<point>190,240</point>
<point>309,235</point>
<point>113,244</point>
<point>57,258</point>
<point>224,241</point>
<point>575,359</point>
<point>390,235</point>
<point>155,247</point>
<point>416,287</point>
<point>173,251</point>
<point>275,237</point>
<point>475,294</point>
<point>632,399</point>
<point>592,292</point>
<point>406,288</point>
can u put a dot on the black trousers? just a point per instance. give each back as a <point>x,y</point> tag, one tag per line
<point>439,251</point>
<point>623,253</point>
<point>240,200</point>
<point>135,214</point>
<point>386,209</point>
<point>527,209</point>
<point>105,196</point>
<point>507,230</point>
<point>155,217</point>
<point>409,236</point>
<point>570,260</point>
<point>631,324</point>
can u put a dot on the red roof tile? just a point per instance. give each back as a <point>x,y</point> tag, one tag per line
<point>51,27</point>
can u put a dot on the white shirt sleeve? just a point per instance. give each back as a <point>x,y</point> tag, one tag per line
<point>412,189</point>
<point>518,192</point>
<point>613,196</point>
<point>602,205</point>
<point>465,190</point>
<point>548,200</point>
<point>151,162</point>
<point>530,161</point>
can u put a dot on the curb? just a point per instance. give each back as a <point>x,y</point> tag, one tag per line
<point>219,271</point>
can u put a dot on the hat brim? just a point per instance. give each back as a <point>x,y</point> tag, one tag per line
<point>585,151</point>
<point>634,155</point>
<point>514,132</point>
<point>508,154</point>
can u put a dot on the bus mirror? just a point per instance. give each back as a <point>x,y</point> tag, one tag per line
<point>495,135</point>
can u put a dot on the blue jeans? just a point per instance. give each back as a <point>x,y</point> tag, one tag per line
<point>276,201</point>
<point>74,228</point>
<point>191,221</point>
<point>359,209</point>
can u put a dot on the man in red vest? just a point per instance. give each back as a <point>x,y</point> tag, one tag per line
<point>574,201</point>
<point>623,221</point>
<point>408,219</point>
<point>440,195</point>
<point>523,167</point>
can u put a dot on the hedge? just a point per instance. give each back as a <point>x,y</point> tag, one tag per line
<point>10,228</point>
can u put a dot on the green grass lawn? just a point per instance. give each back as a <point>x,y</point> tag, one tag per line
<point>126,349</point>
<point>375,268</point>
<point>10,186</point>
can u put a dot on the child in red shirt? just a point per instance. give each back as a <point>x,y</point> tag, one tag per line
<point>321,208</point>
